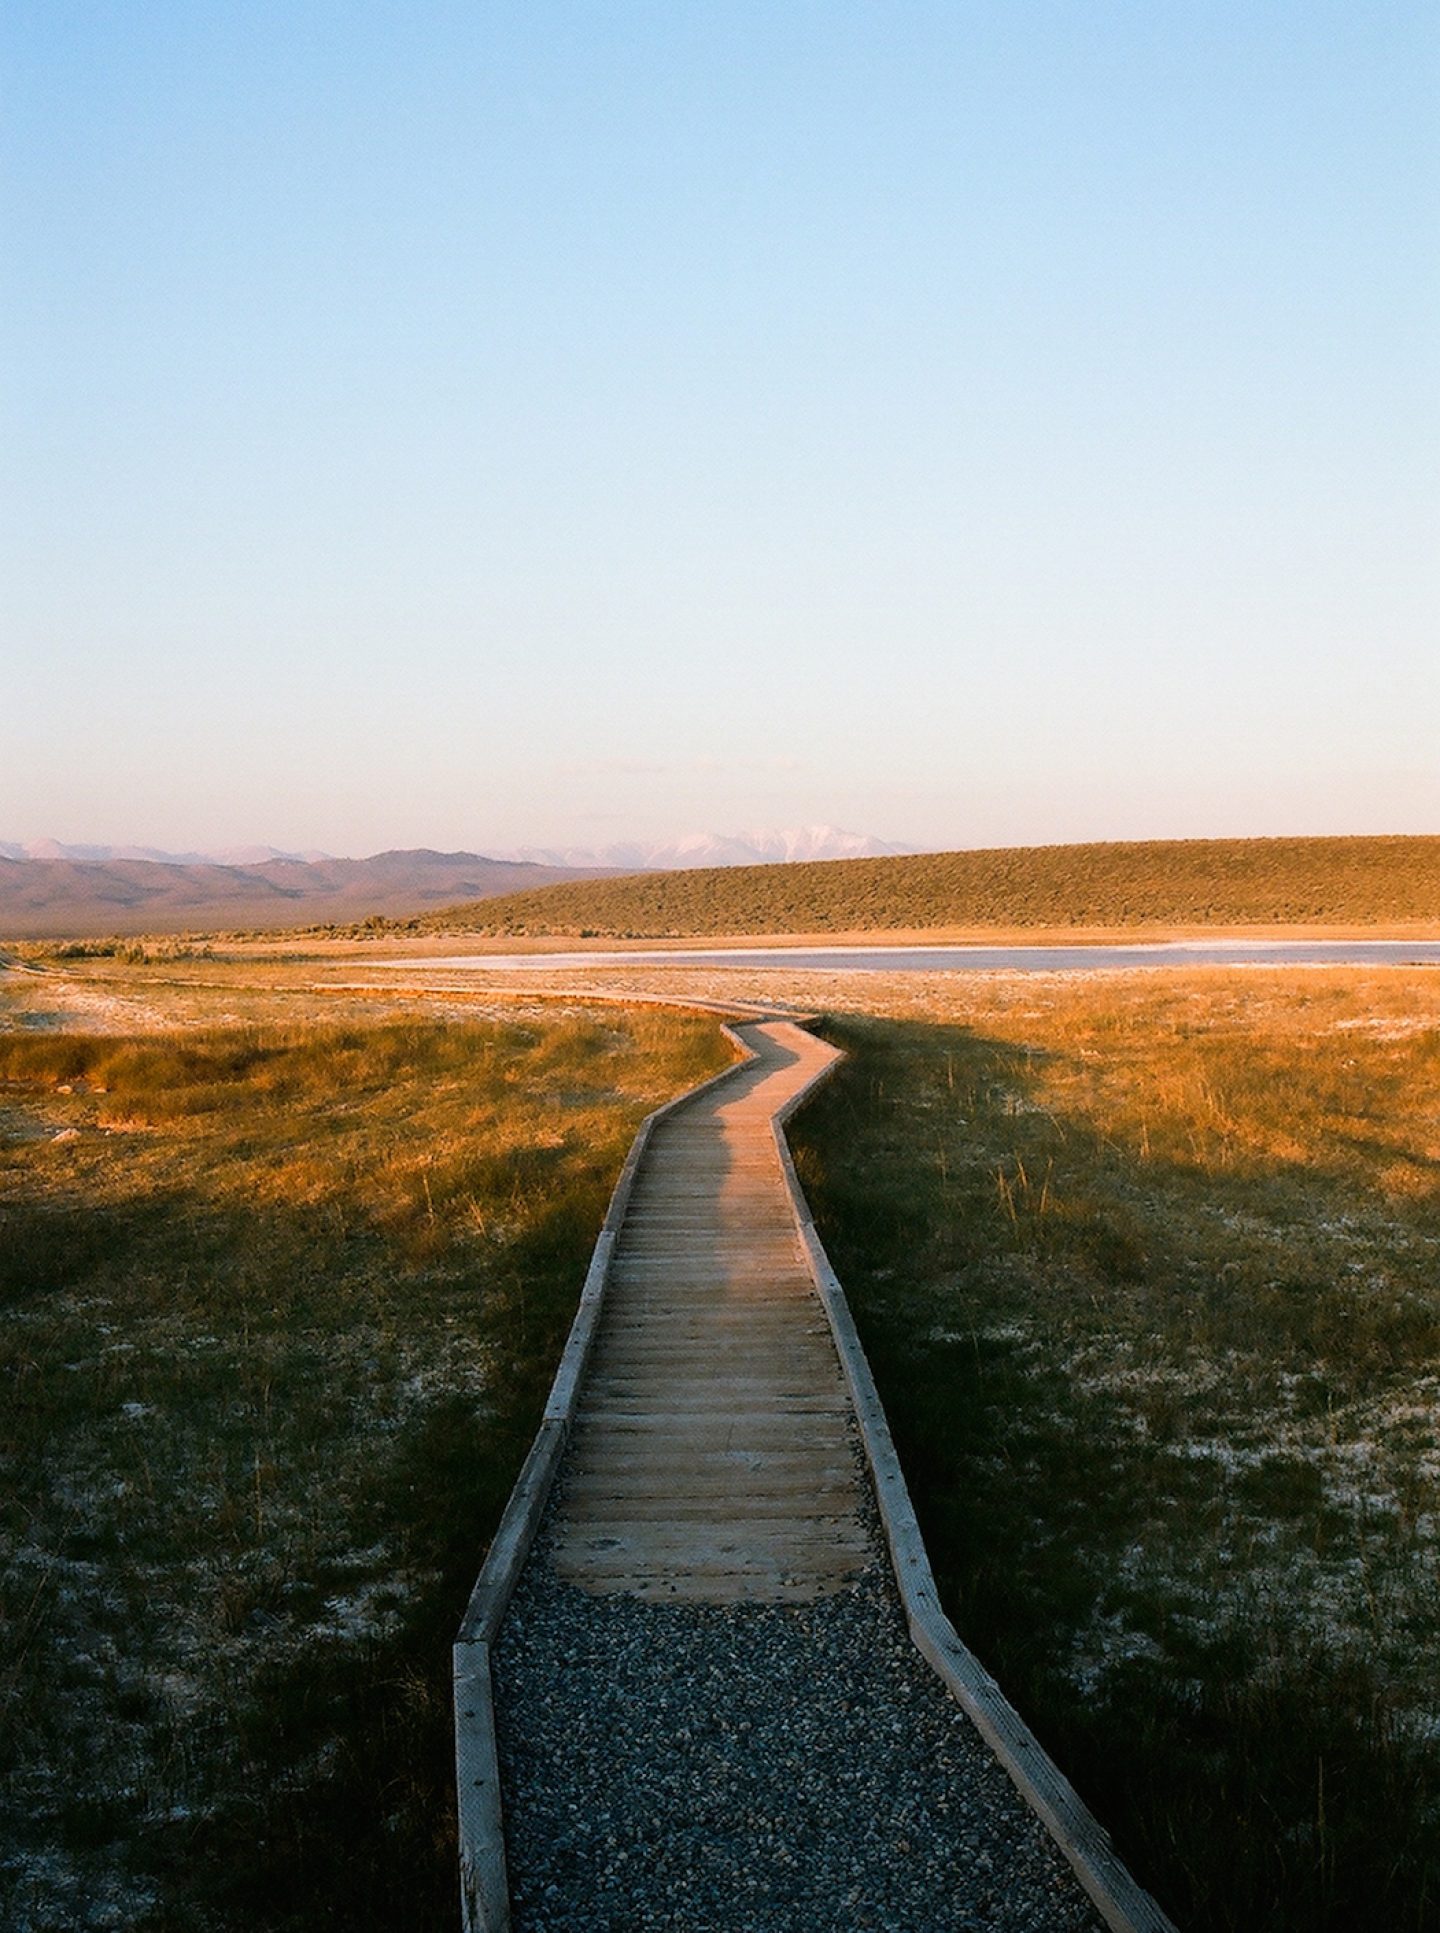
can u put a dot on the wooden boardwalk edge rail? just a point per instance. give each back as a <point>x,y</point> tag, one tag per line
<point>1122,1903</point>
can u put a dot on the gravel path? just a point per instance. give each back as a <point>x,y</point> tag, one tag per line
<point>785,1769</point>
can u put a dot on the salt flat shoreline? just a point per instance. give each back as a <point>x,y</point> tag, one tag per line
<point>1226,951</point>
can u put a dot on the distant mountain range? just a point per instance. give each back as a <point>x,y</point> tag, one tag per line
<point>770,847</point>
<point>152,855</point>
<point>49,890</point>
<point>75,898</point>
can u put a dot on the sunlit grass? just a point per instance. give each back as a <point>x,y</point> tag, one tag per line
<point>278,1307</point>
<point>1148,1270</point>
<point>1122,886</point>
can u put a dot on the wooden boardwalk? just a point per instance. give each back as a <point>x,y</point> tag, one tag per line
<point>712,1456</point>
<point>714,1702</point>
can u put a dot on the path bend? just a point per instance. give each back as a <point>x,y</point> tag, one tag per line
<point>709,1709</point>
<point>712,1457</point>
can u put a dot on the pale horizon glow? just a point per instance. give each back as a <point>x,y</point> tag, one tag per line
<point>532,426</point>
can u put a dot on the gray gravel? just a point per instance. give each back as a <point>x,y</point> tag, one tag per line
<point>753,1767</point>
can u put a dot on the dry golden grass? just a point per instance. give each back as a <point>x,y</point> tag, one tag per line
<point>1128,886</point>
<point>279,1300</point>
<point>1146,1265</point>
<point>1145,1262</point>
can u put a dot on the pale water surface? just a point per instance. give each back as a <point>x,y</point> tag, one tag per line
<point>970,959</point>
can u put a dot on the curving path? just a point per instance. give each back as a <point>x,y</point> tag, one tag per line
<point>709,1711</point>
<point>711,1459</point>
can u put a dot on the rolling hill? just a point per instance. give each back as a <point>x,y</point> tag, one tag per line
<point>1151,883</point>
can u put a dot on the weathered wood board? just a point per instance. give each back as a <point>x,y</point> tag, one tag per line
<point>711,1457</point>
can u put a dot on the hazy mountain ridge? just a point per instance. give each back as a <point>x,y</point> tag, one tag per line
<point>768,846</point>
<point>151,855</point>
<point>49,889</point>
<point>43,898</point>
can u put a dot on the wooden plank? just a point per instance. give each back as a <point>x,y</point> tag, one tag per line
<point>484,1886</point>
<point>820,1465</point>
<point>740,1532</point>
<point>741,1429</point>
<point>788,1503</point>
<point>755,1431</point>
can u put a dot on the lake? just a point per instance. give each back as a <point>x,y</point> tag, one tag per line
<point>967,959</point>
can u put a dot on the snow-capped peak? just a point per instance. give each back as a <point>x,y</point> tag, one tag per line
<point>763,846</point>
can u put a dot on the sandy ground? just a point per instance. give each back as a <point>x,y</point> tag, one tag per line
<point>110,996</point>
<point>105,997</point>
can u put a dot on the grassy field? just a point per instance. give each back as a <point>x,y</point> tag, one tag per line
<point>1146,1264</point>
<point>279,1300</point>
<point>1147,1268</point>
<point>1146,885</point>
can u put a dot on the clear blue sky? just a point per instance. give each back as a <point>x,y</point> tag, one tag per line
<point>474,424</point>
